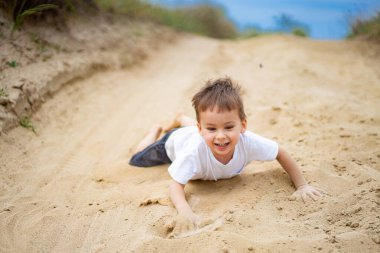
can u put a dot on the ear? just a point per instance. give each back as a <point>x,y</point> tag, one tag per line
<point>243,125</point>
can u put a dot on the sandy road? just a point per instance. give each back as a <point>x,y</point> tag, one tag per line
<point>70,189</point>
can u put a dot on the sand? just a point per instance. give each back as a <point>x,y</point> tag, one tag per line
<point>69,187</point>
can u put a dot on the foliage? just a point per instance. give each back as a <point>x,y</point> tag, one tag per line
<point>132,8</point>
<point>250,33</point>
<point>286,23</point>
<point>22,14</point>
<point>299,32</point>
<point>201,19</point>
<point>207,20</point>
<point>19,10</point>
<point>12,64</point>
<point>3,92</point>
<point>369,28</point>
<point>25,122</point>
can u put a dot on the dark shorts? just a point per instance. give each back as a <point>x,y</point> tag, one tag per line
<point>154,154</point>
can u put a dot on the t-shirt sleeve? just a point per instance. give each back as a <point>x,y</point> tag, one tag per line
<point>259,148</point>
<point>182,169</point>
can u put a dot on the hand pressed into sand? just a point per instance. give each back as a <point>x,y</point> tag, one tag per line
<point>180,225</point>
<point>183,226</point>
<point>186,222</point>
<point>307,192</point>
<point>304,191</point>
<point>177,194</point>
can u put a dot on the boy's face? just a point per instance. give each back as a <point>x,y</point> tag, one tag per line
<point>221,131</point>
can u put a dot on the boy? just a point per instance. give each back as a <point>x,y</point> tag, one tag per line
<point>215,146</point>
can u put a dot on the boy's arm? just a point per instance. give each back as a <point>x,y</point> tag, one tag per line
<point>177,195</point>
<point>304,190</point>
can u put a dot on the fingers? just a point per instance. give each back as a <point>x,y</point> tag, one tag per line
<point>308,193</point>
<point>312,196</point>
<point>179,226</point>
<point>321,191</point>
<point>304,197</point>
<point>317,193</point>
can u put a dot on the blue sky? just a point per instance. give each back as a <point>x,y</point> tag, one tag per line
<point>327,19</point>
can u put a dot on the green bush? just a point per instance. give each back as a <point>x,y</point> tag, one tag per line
<point>206,20</point>
<point>26,123</point>
<point>203,19</point>
<point>132,8</point>
<point>366,28</point>
<point>299,32</point>
<point>250,33</point>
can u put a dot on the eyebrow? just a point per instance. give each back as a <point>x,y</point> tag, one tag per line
<point>227,123</point>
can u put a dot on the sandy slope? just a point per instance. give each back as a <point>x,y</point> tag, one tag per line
<point>70,189</point>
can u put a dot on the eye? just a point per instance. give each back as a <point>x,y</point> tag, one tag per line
<point>211,129</point>
<point>229,127</point>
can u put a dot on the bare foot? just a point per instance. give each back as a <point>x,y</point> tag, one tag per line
<point>156,131</point>
<point>175,123</point>
<point>150,138</point>
<point>180,120</point>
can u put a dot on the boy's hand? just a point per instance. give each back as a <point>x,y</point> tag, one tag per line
<point>307,192</point>
<point>195,219</point>
<point>182,225</point>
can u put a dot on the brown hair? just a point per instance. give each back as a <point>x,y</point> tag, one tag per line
<point>222,93</point>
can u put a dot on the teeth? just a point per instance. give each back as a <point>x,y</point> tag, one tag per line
<point>221,145</point>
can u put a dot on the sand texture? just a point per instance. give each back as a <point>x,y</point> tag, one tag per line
<point>69,187</point>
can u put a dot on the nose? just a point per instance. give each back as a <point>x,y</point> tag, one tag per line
<point>220,134</point>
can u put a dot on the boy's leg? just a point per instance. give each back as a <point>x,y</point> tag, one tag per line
<point>150,138</point>
<point>181,120</point>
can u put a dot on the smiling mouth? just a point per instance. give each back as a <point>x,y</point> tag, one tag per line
<point>222,144</point>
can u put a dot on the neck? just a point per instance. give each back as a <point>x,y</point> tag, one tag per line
<point>224,159</point>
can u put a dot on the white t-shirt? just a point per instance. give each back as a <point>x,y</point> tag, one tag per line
<point>192,158</point>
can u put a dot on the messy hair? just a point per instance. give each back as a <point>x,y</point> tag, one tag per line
<point>222,93</point>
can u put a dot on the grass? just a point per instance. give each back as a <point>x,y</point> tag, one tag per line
<point>12,64</point>
<point>22,14</point>
<point>21,9</point>
<point>41,44</point>
<point>202,19</point>
<point>250,33</point>
<point>208,20</point>
<point>300,32</point>
<point>138,33</point>
<point>3,92</point>
<point>26,123</point>
<point>369,28</point>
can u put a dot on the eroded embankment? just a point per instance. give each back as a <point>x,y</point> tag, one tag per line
<point>38,60</point>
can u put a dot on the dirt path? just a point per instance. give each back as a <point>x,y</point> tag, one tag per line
<point>70,189</point>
